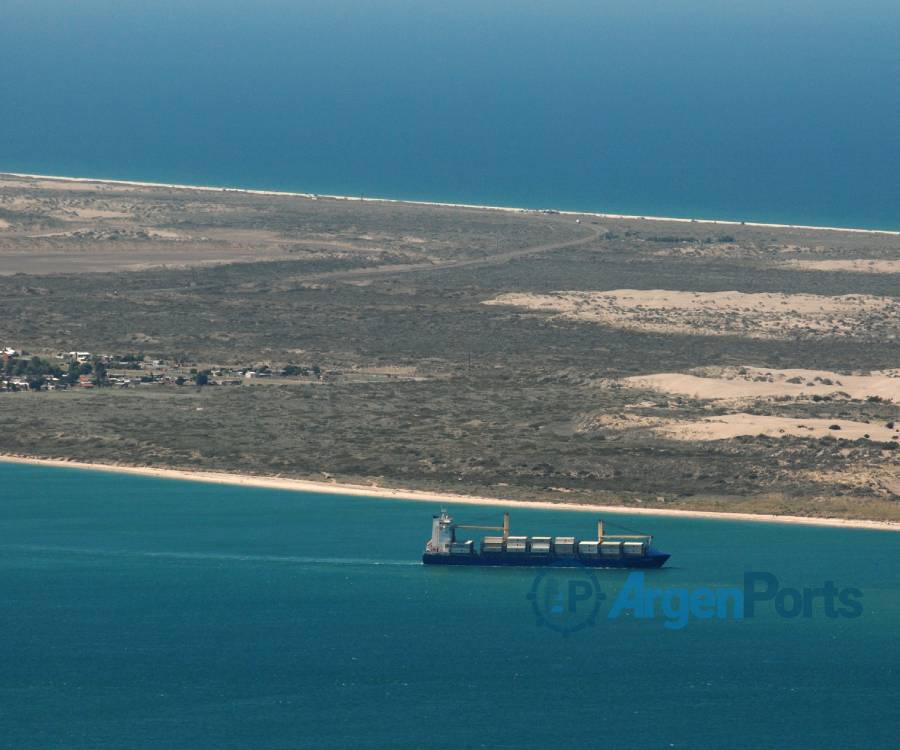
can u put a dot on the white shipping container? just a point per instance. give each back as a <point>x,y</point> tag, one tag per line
<point>564,545</point>
<point>612,549</point>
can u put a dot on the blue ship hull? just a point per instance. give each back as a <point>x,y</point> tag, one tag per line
<point>652,559</point>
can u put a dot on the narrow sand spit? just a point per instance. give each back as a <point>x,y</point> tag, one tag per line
<point>858,265</point>
<point>299,485</point>
<point>49,183</point>
<point>761,315</point>
<point>737,425</point>
<point>93,183</point>
<point>739,383</point>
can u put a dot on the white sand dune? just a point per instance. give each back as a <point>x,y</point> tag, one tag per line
<point>739,383</point>
<point>730,426</point>
<point>857,265</point>
<point>729,313</point>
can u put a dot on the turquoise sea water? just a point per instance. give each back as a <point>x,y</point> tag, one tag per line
<point>147,613</point>
<point>766,110</point>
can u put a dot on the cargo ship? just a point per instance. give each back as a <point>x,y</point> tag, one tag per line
<point>606,551</point>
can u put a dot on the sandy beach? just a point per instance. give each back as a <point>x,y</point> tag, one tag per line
<point>287,194</point>
<point>375,492</point>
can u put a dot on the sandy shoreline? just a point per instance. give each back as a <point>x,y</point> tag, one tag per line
<point>512,209</point>
<point>374,492</point>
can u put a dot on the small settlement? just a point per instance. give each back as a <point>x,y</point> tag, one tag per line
<point>23,371</point>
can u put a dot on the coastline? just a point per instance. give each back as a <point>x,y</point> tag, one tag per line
<point>437,204</point>
<point>385,493</point>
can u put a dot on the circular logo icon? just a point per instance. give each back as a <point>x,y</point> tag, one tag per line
<point>566,599</point>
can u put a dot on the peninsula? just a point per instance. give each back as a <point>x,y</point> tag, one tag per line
<point>536,355</point>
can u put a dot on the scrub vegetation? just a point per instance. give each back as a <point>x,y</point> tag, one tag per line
<point>419,383</point>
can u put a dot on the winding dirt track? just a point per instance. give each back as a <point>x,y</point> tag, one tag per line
<point>294,282</point>
<point>492,260</point>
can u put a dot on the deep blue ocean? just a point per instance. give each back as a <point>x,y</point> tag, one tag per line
<point>765,110</point>
<point>152,613</point>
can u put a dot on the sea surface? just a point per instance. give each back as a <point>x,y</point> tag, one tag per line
<point>768,110</point>
<point>149,613</point>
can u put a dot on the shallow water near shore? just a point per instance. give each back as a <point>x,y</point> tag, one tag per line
<point>144,612</point>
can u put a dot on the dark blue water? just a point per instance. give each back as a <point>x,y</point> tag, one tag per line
<point>772,111</point>
<point>145,613</point>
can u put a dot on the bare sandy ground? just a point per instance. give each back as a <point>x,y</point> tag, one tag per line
<point>99,213</point>
<point>137,257</point>
<point>739,383</point>
<point>737,425</point>
<point>885,482</point>
<point>710,250</point>
<point>89,207</point>
<point>376,492</point>
<point>858,265</point>
<point>762,315</point>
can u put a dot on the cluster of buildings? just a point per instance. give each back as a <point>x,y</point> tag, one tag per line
<point>14,383</point>
<point>84,369</point>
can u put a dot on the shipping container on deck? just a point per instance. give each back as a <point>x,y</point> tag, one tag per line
<point>564,545</point>
<point>588,548</point>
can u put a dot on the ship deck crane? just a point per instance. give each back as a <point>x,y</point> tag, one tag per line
<point>504,528</point>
